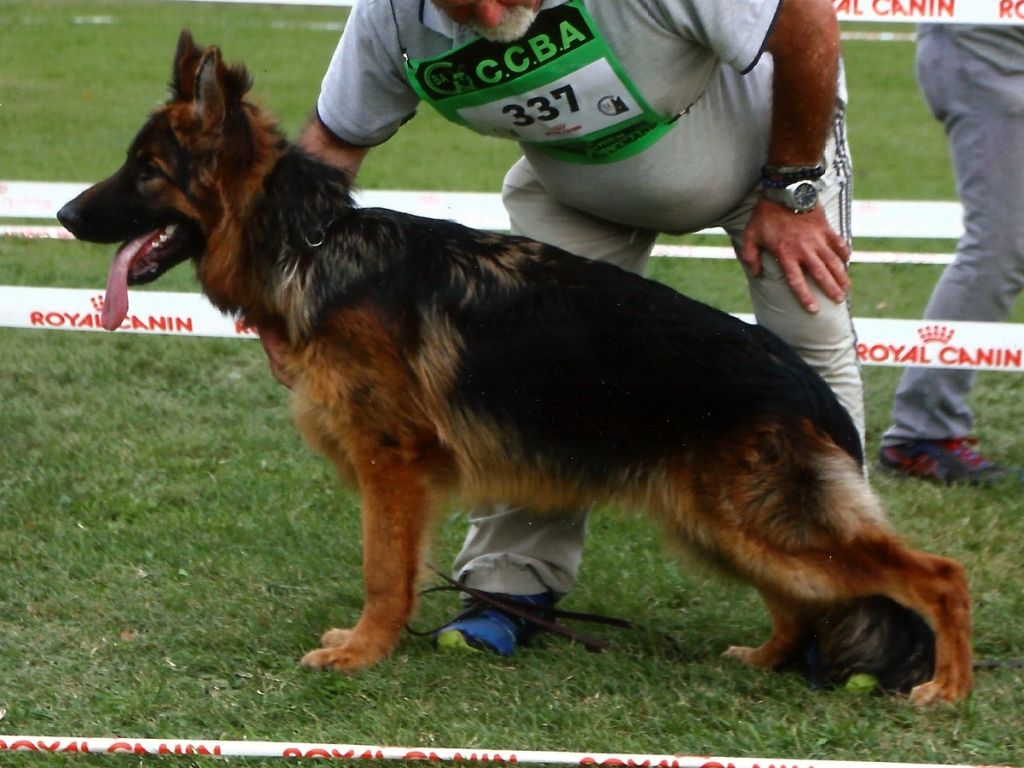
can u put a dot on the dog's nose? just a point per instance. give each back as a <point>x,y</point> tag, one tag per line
<point>69,217</point>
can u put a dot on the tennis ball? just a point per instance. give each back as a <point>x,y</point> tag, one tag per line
<point>453,640</point>
<point>861,682</point>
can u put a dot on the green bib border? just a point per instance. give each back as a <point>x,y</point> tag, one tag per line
<point>611,144</point>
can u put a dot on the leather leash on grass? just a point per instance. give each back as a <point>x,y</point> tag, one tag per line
<point>999,663</point>
<point>543,618</point>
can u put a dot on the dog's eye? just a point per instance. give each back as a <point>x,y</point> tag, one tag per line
<point>148,171</point>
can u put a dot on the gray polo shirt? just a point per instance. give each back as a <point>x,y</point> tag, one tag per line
<point>702,56</point>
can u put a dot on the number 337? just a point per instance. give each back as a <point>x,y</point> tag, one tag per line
<point>541,107</point>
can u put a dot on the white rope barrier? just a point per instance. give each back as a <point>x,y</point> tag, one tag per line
<point>899,11</point>
<point>725,253</point>
<point>932,11</point>
<point>283,749</point>
<point>963,345</point>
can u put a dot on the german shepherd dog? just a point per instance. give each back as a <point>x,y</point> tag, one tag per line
<point>431,360</point>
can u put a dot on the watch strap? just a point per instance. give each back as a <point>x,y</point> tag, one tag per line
<point>778,176</point>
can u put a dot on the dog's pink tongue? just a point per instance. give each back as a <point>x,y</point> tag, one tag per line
<point>115,305</point>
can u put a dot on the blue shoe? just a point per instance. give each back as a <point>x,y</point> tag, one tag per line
<point>486,628</point>
<point>945,461</point>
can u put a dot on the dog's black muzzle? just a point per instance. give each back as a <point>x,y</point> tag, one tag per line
<point>111,219</point>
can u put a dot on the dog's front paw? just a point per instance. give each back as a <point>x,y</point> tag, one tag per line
<point>341,659</point>
<point>347,649</point>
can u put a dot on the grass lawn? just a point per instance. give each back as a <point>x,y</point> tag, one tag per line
<point>169,548</point>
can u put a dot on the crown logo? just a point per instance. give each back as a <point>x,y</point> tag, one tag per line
<point>97,302</point>
<point>939,333</point>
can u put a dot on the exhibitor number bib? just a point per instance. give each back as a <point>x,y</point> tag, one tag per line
<point>559,88</point>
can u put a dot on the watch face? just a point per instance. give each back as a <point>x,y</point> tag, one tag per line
<point>804,194</point>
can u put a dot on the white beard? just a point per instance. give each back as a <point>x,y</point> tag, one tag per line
<point>515,21</point>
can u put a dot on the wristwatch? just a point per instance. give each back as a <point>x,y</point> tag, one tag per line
<point>792,187</point>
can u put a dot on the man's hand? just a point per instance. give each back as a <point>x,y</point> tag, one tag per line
<point>804,245</point>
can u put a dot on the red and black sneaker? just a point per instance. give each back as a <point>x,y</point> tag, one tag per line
<point>946,461</point>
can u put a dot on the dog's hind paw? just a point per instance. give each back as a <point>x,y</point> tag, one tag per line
<point>752,657</point>
<point>934,692</point>
<point>335,638</point>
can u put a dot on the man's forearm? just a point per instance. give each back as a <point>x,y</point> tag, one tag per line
<point>805,47</point>
<point>319,141</point>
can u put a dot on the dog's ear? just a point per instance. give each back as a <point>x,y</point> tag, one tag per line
<point>209,94</point>
<point>183,74</point>
<point>218,91</point>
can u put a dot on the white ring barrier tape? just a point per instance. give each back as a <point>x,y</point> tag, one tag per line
<point>881,341</point>
<point>898,11</point>
<point>484,210</point>
<point>726,253</point>
<point>34,232</point>
<point>941,11</point>
<point>151,312</point>
<point>284,749</point>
